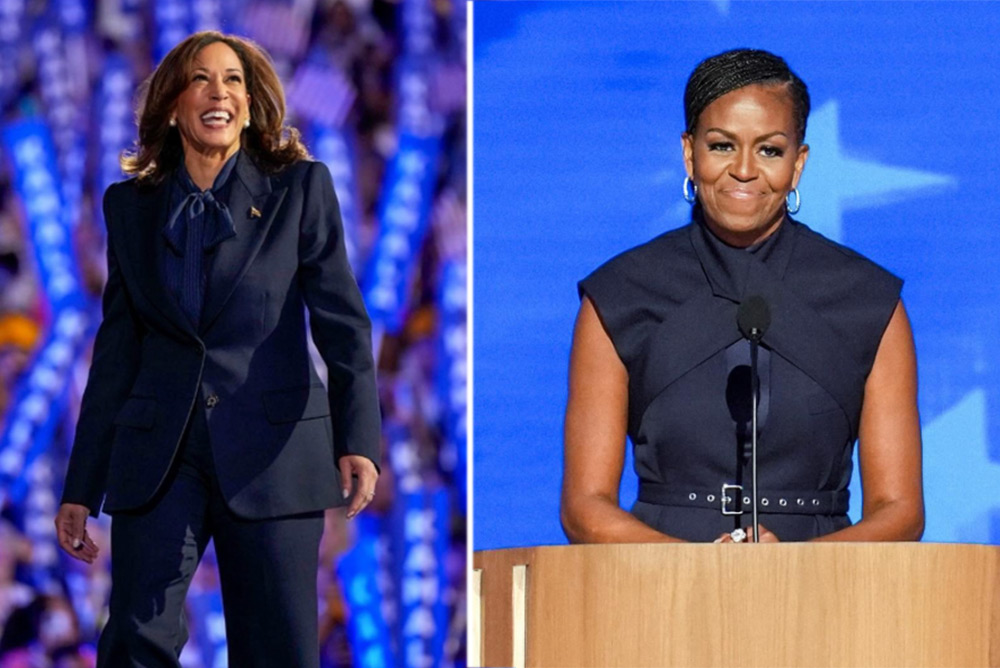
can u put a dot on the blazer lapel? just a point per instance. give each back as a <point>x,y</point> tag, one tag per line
<point>253,205</point>
<point>142,259</point>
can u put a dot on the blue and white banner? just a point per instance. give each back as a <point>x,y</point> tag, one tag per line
<point>40,398</point>
<point>418,540</point>
<point>36,179</point>
<point>331,147</point>
<point>62,80</point>
<point>410,177</point>
<point>409,187</point>
<point>421,524</point>
<point>73,16</point>
<point>130,20</point>
<point>413,76</point>
<point>115,127</point>
<point>39,509</point>
<point>453,372</point>
<point>367,626</point>
<point>209,625</point>
<point>173,22</point>
<point>206,15</point>
<point>11,29</point>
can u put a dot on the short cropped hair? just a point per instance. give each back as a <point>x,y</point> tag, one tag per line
<point>728,71</point>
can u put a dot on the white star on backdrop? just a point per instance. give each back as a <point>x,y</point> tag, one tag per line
<point>962,494</point>
<point>834,182</point>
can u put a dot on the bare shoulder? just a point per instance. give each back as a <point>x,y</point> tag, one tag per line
<point>896,358</point>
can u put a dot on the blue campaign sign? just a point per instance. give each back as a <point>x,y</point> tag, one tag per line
<point>404,217</point>
<point>40,398</point>
<point>333,148</point>
<point>578,113</point>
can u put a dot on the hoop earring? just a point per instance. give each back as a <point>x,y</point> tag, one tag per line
<point>688,186</point>
<point>798,201</point>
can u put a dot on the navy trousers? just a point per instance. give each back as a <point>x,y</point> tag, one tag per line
<point>267,570</point>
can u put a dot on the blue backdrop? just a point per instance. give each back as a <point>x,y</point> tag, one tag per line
<point>578,113</point>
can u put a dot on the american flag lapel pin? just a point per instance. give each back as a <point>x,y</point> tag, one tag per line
<point>254,212</point>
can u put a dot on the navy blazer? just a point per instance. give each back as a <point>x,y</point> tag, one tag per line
<point>276,432</point>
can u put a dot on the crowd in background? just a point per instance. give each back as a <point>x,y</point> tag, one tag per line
<point>341,65</point>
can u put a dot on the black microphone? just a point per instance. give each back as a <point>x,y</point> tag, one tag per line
<point>753,318</point>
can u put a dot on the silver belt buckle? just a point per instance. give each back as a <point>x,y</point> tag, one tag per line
<point>736,499</point>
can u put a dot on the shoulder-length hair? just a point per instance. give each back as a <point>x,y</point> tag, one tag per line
<point>269,142</point>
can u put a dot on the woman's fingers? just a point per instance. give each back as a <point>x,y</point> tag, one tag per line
<point>71,531</point>
<point>745,535</point>
<point>87,551</point>
<point>346,476</point>
<point>89,546</point>
<point>69,528</point>
<point>364,488</point>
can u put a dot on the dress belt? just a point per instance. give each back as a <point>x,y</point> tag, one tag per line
<point>735,500</point>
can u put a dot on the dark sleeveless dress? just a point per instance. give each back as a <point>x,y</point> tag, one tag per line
<point>669,307</point>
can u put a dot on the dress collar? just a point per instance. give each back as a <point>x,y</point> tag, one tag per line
<point>727,267</point>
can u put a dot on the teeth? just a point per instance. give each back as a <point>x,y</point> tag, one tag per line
<point>216,116</point>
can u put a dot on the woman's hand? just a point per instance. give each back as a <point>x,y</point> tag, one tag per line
<point>364,492</point>
<point>766,536</point>
<point>71,529</point>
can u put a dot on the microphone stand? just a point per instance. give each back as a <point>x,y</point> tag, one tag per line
<point>753,318</point>
<point>755,335</point>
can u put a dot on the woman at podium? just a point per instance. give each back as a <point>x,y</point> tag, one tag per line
<point>658,354</point>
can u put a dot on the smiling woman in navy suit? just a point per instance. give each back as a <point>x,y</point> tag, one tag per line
<point>204,416</point>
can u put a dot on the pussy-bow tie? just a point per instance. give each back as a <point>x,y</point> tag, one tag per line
<point>218,221</point>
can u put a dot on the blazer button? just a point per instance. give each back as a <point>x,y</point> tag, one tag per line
<point>212,400</point>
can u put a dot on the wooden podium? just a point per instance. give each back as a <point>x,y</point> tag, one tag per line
<point>795,604</point>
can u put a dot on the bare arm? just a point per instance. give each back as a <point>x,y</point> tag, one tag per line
<point>889,446</point>
<point>594,441</point>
